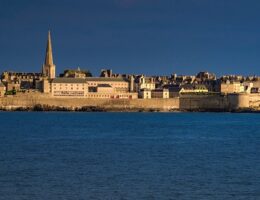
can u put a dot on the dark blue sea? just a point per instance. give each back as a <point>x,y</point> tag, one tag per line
<point>120,156</point>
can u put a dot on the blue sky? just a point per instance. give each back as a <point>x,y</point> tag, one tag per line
<point>133,36</point>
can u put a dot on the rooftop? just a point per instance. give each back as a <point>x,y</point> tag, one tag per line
<point>113,79</point>
<point>69,80</point>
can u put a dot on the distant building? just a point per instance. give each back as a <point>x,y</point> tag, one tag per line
<point>46,86</point>
<point>69,87</point>
<point>78,73</point>
<point>113,95</point>
<point>248,87</point>
<point>255,90</point>
<point>107,73</point>
<point>256,83</point>
<point>184,79</point>
<point>205,76</point>
<point>13,86</point>
<point>143,82</point>
<point>174,90</point>
<point>231,87</point>
<point>2,89</point>
<point>22,81</point>
<point>194,88</point>
<point>145,94</point>
<point>105,88</point>
<point>120,85</point>
<point>160,94</point>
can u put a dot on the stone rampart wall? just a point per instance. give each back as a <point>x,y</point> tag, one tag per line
<point>204,102</point>
<point>254,100</point>
<point>31,100</point>
<point>185,102</point>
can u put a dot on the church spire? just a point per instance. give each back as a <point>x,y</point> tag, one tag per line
<point>48,69</point>
<point>48,56</point>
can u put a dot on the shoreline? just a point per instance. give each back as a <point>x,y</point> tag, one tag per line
<point>47,108</point>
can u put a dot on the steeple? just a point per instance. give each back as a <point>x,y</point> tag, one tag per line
<point>48,68</point>
<point>48,56</point>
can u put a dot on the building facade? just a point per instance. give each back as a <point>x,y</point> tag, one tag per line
<point>69,87</point>
<point>160,94</point>
<point>142,82</point>
<point>232,87</point>
<point>119,85</point>
<point>2,89</point>
<point>145,94</point>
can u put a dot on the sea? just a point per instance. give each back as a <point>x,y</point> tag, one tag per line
<point>121,156</point>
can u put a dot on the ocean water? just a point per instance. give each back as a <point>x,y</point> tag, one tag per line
<point>110,156</point>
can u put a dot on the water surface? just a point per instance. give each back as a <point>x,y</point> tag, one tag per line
<point>129,156</point>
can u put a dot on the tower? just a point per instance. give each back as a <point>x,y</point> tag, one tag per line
<point>48,68</point>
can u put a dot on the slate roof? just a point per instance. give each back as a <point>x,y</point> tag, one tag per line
<point>69,80</point>
<point>106,79</point>
<point>174,89</point>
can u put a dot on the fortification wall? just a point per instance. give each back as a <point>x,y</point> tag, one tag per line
<point>254,100</point>
<point>186,102</point>
<point>203,102</point>
<point>237,101</point>
<point>31,100</point>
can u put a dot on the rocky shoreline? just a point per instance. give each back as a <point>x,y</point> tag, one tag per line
<point>47,108</point>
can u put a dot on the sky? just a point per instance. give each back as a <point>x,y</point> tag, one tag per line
<point>152,37</point>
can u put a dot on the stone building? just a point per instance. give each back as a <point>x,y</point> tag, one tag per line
<point>254,90</point>
<point>109,88</point>
<point>205,76</point>
<point>145,94</point>
<point>105,88</point>
<point>21,81</point>
<point>160,94</point>
<point>174,91</point>
<point>184,79</point>
<point>78,73</point>
<point>2,89</point>
<point>13,86</point>
<point>120,85</point>
<point>114,95</point>
<point>69,87</point>
<point>177,90</point>
<point>193,88</point>
<point>107,73</point>
<point>232,87</point>
<point>143,82</point>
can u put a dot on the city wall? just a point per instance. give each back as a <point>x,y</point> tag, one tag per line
<point>204,102</point>
<point>110,104</point>
<point>183,103</point>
